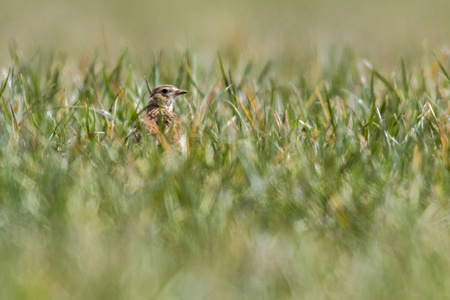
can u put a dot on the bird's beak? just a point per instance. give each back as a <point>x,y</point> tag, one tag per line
<point>180,92</point>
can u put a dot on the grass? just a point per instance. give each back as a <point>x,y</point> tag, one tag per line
<point>332,183</point>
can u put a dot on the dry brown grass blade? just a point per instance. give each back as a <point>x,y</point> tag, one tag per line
<point>277,120</point>
<point>244,109</point>
<point>444,133</point>
<point>314,95</point>
<point>205,104</point>
<point>286,119</point>
<point>435,68</point>
<point>119,93</point>
<point>255,107</point>
<point>324,107</point>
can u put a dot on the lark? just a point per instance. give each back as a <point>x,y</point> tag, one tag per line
<point>160,120</point>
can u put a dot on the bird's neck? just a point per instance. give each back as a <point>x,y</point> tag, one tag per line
<point>158,103</point>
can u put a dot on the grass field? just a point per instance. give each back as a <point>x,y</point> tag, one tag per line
<point>325,178</point>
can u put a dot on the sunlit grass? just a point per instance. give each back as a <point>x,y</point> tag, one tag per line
<point>332,183</point>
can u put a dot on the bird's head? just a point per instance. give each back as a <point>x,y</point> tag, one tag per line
<point>164,96</point>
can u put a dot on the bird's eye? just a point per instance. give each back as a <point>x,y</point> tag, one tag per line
<point>165,91</point>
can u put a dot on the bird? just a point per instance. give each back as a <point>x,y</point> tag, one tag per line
<point>159,119</point>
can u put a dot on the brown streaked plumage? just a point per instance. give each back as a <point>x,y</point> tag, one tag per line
<point>159,119</point>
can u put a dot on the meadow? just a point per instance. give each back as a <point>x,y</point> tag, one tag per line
<point>330,182</point>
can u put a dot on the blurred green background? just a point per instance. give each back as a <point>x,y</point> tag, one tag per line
<point>378,30</point>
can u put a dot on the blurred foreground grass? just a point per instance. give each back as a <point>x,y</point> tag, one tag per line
<point>332,183</point>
